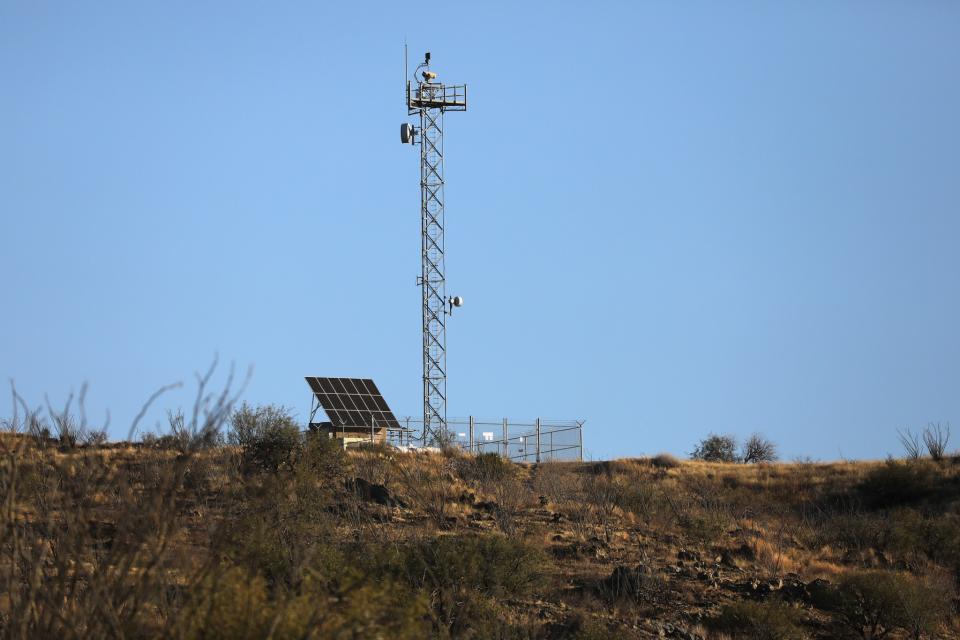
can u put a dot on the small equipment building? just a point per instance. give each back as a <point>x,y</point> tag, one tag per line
<point>356,411</point>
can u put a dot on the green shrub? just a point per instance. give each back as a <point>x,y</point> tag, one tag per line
<point>484,467</point>
<point>232,604</point>
<point>759,621</point>
<point>490,564</point>
<point>631,584</point>
<point>464,575</point>
<point>898,483</point>
<point>584,627</point>
<point>323,457</point>
<point>871,604</point>
<point>237,604</point>
<point>706,529</point>
<point>716,448</point>
<point>942,544</point>
<point>923,607</point>
<point>640,498</point>
<point>854,531</point>
<point>664,461</point>
<point>914,537</point>
<point>268,436</point>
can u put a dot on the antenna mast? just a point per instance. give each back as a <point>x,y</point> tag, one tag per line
<point>430,98</point>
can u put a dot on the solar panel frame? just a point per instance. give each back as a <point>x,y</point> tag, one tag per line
<point>352,402</point>
<point>360,387</point>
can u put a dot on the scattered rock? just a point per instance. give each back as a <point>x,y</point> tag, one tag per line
<point>756,588</point>
<point>626,581</point>
<point>592,548</point>
<point>565,551</point>
<point>667,630</point>
<point>683,554</point>
<point>794,590</point>
<point>102,533</point>
<point>373,493</point>
<point>746,552</point>
<point>816,586</point>
<point>727,560</point>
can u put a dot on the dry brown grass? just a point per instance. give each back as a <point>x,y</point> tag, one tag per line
<point>135,542</point>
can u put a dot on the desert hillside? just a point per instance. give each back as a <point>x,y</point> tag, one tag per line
<point>288,536</point>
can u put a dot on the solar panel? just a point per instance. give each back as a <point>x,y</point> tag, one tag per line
<point>314,385</point>
<point>352,402</point>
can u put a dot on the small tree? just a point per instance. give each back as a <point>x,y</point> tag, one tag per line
<point>268,436</point>
<point>444,439</point>
<point>758,449</point>
<point>923,607</point>
<point>872,604</point>
<point>716,448</point>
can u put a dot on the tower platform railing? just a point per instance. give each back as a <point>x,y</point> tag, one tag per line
<point>435,95</point>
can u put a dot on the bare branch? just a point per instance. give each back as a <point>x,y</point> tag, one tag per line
<point>936,438</point>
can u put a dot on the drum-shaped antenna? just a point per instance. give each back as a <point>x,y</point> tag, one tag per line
<point>406,133</point>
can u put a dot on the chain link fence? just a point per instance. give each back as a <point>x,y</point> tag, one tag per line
<point>536,440</point>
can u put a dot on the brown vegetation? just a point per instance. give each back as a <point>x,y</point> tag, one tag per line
<point>288,537</point>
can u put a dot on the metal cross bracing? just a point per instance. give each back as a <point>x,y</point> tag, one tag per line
<point>430,99</point>
<point>432,276</point>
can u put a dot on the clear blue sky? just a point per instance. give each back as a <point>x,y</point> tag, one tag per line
<point>665,218</point>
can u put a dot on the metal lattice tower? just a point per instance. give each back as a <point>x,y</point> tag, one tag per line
<point>431,99</point>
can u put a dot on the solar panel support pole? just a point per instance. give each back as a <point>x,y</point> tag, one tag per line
<point>471,434</point>
<point>430,99</point>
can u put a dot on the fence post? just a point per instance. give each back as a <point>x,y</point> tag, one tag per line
<point>580,433</point>
<point>506,440</point>
<point>538,440</point>
<point>471,434</point>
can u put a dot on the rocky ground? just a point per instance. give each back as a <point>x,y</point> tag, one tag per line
<point>309,541</point>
